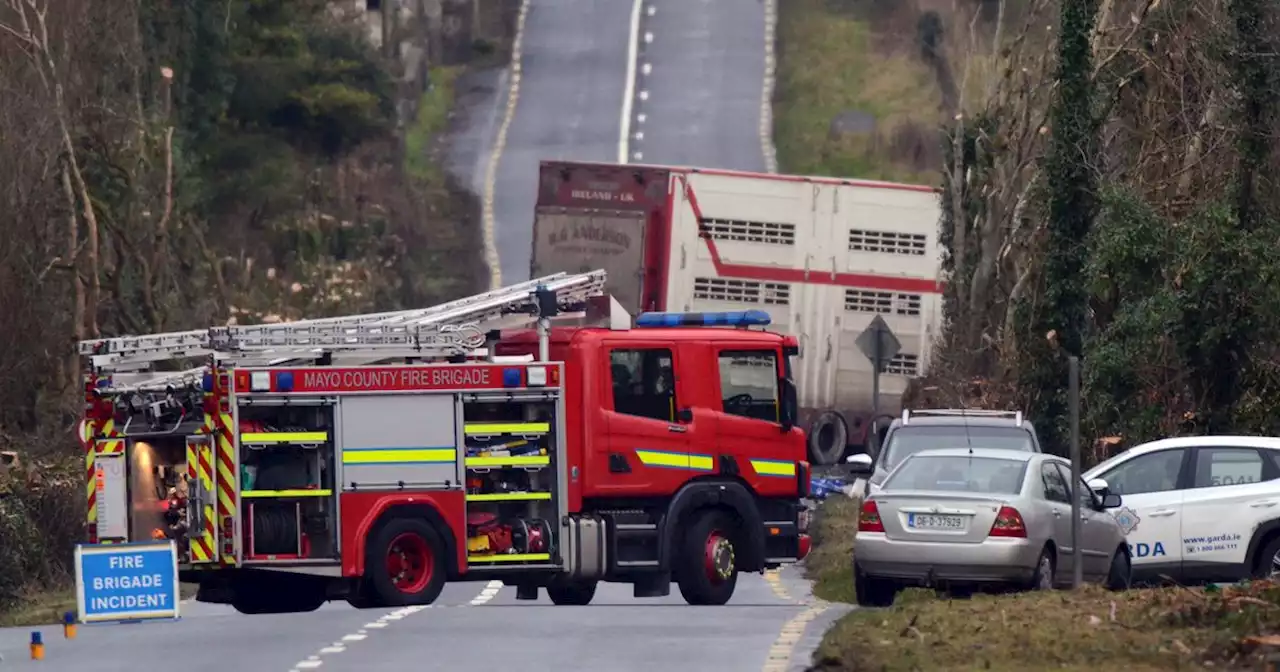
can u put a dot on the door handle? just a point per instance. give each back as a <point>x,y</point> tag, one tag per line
<point>1057,513</point>
<point>679,429</point>
<point>1263,504</point>
<point>1162,513</point>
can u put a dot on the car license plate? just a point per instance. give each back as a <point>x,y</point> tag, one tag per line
<point>925,521</point>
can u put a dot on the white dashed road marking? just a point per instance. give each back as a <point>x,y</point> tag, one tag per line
<point>313,662</point>
<point>490,591</point>
<point>495,157</point>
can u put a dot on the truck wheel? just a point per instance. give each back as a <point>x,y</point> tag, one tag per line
<point>706,571</point>
<point>571,593</point>
<point>828,436</point>
<point>405,563</point>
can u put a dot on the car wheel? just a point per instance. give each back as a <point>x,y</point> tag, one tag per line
<point>1043,579</point>
<point>1266,565</point>
<point>1120,575</point>
<point>871,591</point>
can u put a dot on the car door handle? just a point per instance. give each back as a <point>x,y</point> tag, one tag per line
<point>1163,512</point>
<point>1263,504</point>
<point>1057,513</point>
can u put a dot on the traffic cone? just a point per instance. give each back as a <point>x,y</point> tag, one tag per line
<point>37,646</point>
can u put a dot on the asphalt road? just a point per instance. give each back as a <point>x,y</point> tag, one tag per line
<point>566,105</point>
<point>469,627</point>
<point>701,84</point>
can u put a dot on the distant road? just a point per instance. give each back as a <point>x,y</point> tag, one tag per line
<point>701,84</point>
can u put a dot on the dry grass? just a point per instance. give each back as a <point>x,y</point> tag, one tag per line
<point>828,64</point>
<point>1093,629</point>
<point>48,608</point>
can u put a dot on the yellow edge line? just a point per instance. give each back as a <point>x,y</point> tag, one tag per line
<point>495,156</point>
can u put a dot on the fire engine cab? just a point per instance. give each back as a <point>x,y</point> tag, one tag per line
<point>535,434</point>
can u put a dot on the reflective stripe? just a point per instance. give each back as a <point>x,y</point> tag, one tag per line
<point>517,557</point>
<point>781,468</point>
<point>284,437</point>
<point>285,493</point>
<point>675,460</point>
<point>399,455</point>
<point>510,497</point>
<point>493,428</point>
<point>528,461</point>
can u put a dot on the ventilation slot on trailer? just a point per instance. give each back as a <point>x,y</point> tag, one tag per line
<point>887,242</point>
<point>750,232</point>
<point>870,301</point>
<point>742,291</point>
<point>903,364</point>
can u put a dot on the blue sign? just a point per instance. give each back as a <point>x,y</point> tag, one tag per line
<point>127,582</point>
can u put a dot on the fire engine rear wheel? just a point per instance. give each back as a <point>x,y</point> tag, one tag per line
<point>706,568</point>
<point>406,563</point>
<point>571,593</point>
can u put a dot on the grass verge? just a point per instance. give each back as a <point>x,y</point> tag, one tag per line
<point>828,65</point>
<point>47,608</point>
<point>1092,629</point>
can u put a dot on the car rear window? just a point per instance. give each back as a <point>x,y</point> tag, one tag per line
<point>907,441</point>
<point>985,475</point>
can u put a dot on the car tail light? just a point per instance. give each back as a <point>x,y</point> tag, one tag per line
<point>869,519</point>
<point>1008,524</point>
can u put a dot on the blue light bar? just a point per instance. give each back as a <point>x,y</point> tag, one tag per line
<point>284,381</point>
<point>733,318</point>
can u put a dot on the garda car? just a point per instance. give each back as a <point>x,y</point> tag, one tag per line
<point>962,519</point>
<point>1198,509</point>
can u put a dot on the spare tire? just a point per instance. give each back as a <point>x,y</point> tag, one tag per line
<point>828,436</point>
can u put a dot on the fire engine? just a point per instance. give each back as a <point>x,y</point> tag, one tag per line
<point>536,434</point>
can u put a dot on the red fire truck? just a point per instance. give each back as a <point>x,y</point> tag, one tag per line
<point>531,434</point>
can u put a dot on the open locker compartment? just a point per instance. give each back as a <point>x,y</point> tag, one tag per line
<point>514,479</point>
<point>141,490</point>
<point>288,479</point>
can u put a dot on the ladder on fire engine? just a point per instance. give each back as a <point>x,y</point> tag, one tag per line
<point>454,328</point>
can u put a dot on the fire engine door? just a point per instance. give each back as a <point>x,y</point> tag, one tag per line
<point>111,491</point>
<point>201,528</point>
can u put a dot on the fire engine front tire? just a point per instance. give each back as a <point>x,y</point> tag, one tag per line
<point>406,563</point>
<point>571,593</point>
<point>706,568</point>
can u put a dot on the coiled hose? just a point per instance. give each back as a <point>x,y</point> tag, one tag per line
<point>275,530</point>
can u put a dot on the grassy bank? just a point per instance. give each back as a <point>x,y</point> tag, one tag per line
<point>834,60</point>
<point>1149,629</point>
<point>47,608</point>
<point>1154,629</point>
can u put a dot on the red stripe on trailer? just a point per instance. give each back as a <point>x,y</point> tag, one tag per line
<point>796,275</point>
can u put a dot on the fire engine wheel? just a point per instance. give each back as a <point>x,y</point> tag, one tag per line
<point>406,563</point>
<point>706,567</point>
<point>571,593</point>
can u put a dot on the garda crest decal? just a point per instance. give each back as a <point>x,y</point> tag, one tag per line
<point>1127,519</point>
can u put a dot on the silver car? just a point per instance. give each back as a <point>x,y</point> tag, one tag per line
<point>962,519</point>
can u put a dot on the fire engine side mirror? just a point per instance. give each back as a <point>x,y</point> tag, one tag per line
<point>788,410</point>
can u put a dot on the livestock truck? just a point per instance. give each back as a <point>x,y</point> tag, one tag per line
<point>821,256</point>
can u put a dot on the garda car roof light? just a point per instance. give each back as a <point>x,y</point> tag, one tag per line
<point>732,318</point>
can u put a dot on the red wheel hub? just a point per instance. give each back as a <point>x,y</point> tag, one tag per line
<point>718,558</point>
<point>409,563</point>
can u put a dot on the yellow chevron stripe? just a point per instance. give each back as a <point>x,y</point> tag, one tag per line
<point>774,467</point>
